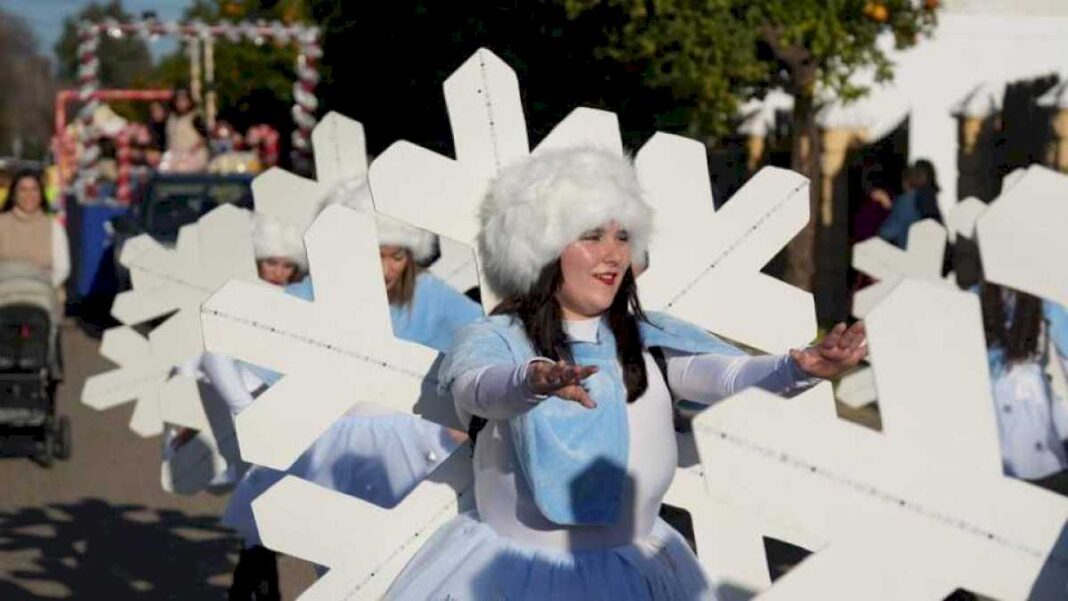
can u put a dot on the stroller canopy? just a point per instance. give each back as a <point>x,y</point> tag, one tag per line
<point>22,283</point>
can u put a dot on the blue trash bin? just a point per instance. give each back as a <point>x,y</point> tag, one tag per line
<point>94,265</point>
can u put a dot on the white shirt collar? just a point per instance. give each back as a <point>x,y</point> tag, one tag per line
<point>583,330</point>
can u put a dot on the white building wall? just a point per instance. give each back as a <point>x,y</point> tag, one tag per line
<point>966,51</point>
<point>976,42</point>
<point>1015,7</point>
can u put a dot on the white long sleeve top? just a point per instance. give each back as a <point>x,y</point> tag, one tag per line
<point>499,392</point>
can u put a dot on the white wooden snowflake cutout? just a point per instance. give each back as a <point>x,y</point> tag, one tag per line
<point>216,249</point>
<point>1020,236</point>
<point>489,132</point>
<point>913,512</point>
<point>333,352</point>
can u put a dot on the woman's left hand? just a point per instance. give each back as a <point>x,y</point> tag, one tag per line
<point>839,351</point>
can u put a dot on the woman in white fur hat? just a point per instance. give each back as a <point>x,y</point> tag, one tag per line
<point>281,260</point>
<point>423,308</point>
<point>578,446</point>
<point>373,454</point>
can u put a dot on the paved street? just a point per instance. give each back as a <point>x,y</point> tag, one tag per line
<point>99,526</point>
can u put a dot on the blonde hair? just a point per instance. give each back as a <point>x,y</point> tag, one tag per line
<point>404,290</point>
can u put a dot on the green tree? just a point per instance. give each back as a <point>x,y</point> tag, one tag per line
<point>124,62</point>
<point>714,54</point>
<point>253,83</point>
<point>26,96</point>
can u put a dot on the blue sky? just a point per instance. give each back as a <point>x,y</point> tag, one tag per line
<point>46,17</point>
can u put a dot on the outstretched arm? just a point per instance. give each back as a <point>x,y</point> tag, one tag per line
<point>709,378</point>
<point>504,390</point>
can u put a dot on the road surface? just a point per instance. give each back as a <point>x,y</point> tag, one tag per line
<point>99,526</point>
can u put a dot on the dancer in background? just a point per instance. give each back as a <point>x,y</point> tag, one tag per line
<point>1032,420</point>
<point>371,453</point>
<point>280,260</point>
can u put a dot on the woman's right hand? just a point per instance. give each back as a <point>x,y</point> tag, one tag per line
<point>561,379</point>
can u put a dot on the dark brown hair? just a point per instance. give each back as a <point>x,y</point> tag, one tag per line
<point>9,202</point>
<point>541,316</point>
<point>1020,338</point>
<point>542,319</point>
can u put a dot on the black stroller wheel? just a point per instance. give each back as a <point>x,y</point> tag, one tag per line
<point>45,457</point>
<point>61,440</point>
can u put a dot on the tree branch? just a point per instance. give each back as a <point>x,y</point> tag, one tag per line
<point>796,57</point>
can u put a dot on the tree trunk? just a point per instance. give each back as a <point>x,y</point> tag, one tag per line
<point>801,252</point>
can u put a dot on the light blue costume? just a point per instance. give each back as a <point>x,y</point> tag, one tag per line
<point>559,442</point>
<point>378,458</point>
<point>1032,420</point>
<point>575,465</point>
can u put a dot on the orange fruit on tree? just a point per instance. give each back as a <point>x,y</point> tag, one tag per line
<point>876,11</point>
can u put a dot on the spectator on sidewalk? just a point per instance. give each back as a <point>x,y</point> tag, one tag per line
<point>29,231</point>
<point>918,202</point>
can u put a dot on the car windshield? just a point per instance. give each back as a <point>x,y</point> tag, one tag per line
<point>172,204</point>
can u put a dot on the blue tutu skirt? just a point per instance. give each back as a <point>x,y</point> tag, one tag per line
<point>377,458</point>
<point>466,560</point>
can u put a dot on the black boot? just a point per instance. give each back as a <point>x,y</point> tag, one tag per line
<point>256,576</point>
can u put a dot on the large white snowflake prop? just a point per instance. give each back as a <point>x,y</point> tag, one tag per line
<point>721,253</point>
<point>294,202</point>
<point>1020,236</point>
<point>333,352</point>
<point>216,249</point>
<point>1021,246</point>
<point>320,525</point>
<point>913,512</point>
<point>489,132</point>
<point>888,264</point>
<point>889,505</point>
<point>706,270</point>
<point>340,158</point>
<point>1005,233</point>
<point>705,264</point>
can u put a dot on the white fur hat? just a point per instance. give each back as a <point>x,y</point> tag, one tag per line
<point>536,207</point>
<point>355,194</point>
<point>271,238</point>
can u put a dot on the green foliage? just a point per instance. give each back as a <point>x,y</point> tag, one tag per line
<point>28,90</point>
<point>124,62</point>
<point>714,53</point>
<point>253,83</point>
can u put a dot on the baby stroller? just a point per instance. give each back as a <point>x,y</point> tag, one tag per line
<point>30,365</point>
